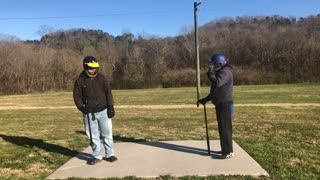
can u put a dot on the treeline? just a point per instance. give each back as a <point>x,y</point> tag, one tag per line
<point>262,50</point>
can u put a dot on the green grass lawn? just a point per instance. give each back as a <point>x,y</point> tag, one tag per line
<point>284,140</point>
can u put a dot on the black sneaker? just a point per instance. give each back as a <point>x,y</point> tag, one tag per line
<point>217,152</point>
<point>227,156</point>
<point>112,159</point>
<point>94,161</point>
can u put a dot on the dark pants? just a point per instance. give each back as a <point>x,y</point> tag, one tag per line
<point>224,113</point>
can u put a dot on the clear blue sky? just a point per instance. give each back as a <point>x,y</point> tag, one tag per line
<point>23,18</point>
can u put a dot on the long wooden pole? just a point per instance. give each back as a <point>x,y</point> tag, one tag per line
<point>195,6</point>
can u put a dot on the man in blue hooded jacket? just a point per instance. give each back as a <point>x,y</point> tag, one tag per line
<point>221,80</point>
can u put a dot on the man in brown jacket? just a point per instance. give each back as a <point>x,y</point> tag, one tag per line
<point>93,97</point>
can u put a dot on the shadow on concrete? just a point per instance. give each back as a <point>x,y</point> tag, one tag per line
<point>84,156</point>
<point>175,147</point>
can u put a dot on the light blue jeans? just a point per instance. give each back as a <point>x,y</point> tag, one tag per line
<point>232,111</point>
<point>100,127</point>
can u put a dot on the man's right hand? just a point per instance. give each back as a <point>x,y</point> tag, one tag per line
<point>110,111</point>
<point>211,74</point>
<point>202,101</point>
<point>84,110</point>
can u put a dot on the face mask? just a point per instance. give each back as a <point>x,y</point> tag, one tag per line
<point>92,72</point>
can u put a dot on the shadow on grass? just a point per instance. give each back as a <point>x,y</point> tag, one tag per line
<point>126,139</point>
<point>30,142</point>
<point>119,138</point>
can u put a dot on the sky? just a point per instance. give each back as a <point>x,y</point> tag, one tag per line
<point>162,18</point>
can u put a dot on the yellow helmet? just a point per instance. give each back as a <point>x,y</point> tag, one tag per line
<point>90,62</point>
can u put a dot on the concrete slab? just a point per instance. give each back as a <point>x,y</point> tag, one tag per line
<point>152,159</point>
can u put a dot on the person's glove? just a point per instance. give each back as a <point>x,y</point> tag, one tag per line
<point>84,110</point>
<point>110,111</point>
<point>211,75</point>
<point>203,101</point>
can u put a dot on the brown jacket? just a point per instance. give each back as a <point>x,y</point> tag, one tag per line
<point>96,92</point>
